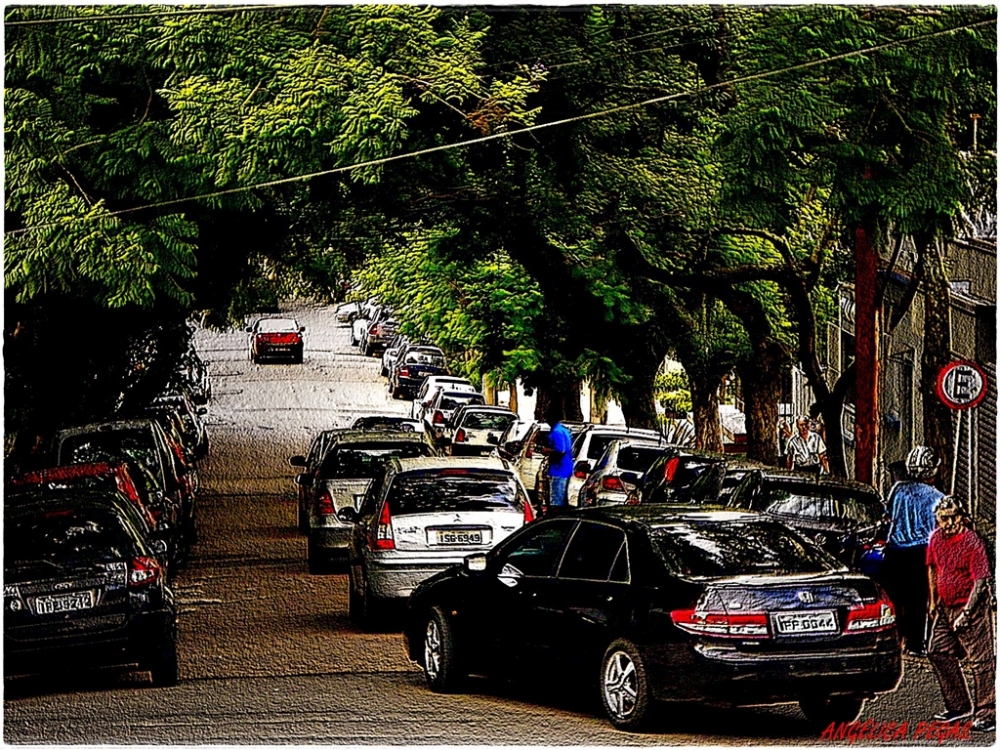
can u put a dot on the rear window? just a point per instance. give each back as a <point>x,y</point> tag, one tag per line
<point>488,421</point>
<point>66,535</point>
<point>425,358</point>
<point>600,443</point>
<point>360,462</point>
<point>826,508</point>
<point>99,447</point>
<point>719,550</point>
<point>277,325</point>
<point>454,490</point>
<point>458,399</point>
<point>637,459</point>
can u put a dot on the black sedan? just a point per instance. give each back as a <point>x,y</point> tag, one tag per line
<point>844,517</point>
<point>649,604</point>
<point>83,588</point>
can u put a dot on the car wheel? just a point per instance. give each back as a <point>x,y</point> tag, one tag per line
<point>319,560</point>
<point>442,665</point>
<point>822,712</point>
<point>297,357</point>
<point>163,665</point>
<point>625,691</point>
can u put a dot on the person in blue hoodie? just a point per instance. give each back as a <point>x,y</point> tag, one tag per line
<point>911,506</point>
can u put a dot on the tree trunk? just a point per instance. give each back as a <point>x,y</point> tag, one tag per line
<point>638,400</point>
<point>938,433</point>
<point>598,406</point>
<point>761,380</point>
<point>705,405</point>
<point>567,397</point>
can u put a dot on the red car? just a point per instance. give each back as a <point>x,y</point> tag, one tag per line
<point>275,338</point>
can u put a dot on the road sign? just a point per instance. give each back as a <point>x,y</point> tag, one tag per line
<point>961,384</point>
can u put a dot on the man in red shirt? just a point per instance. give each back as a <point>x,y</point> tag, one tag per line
<point>959,574</point>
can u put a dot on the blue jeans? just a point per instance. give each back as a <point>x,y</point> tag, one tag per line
<point>557,491</point>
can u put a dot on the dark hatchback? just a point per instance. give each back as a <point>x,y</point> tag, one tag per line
<point>844,517</point>
<point>83,588</point>
<point>649,604</point>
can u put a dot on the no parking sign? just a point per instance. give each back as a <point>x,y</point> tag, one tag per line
<point>961,384</point>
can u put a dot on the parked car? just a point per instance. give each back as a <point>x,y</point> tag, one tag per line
<point>438,413</point>
<point>192,377</point>
<point>350,462</point>
<point>83,588</point>
<point>391,352</point>
<point>387,422</point>
<point>275,338</point>
<point>143,441</point>
<point>648,605</point>
<point>377,335</point>
<point>588,445</point>
<point>414,366</point>
<point>422,515</point>
<point>119,477</point>
<point>475,429</point>
<point>429,388</point>
<point>359,324</point>
<point>192,427</point>
<point>617,471</point>
<point>344,311</point>
<point>842,516</point>
<point>310,465</point>
<point>686,475</point>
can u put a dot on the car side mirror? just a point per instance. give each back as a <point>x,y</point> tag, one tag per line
<point>248,330</point>
<point>299,461</point>
<point>304,480</point>
<point>347,514</point>
<point>475,563</point>
<point>302,329</point>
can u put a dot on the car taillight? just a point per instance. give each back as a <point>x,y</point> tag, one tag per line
<point>438,418</point>
<point>613,483</point>
<point>460,436</point>
<point>373,331</point>
<point>403,372</point>
<point>324,504</point>
<point>383,533</point>
<point>143,571</point>
<point>529,513</point>
<point>720,624</point>
<point>870,617</point>
<point>529,452</point>
<point>671,468</point>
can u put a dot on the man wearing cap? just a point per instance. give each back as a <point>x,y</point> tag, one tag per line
<point>959,576</point>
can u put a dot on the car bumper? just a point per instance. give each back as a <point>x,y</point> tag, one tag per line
<point>721,673</point>
<point>31,651</point>
<point>396,581</point>
<point>331,538</point>
<point>279,351</point>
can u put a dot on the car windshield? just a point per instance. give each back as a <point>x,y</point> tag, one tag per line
<point>274,325</point>
<point>637,458</point>
<point>364,462</point>
<point>453,490</point>
<point>478,420</point>
<point>725,549</point>
<point>65,535</point>
<point>97,447</point>
<point>430,359</point>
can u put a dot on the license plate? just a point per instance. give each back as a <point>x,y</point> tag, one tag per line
<point>462,536</point>
<point>49,605</point>
<point>804,623</point>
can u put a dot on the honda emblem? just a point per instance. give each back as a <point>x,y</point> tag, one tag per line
<point>807,597</point>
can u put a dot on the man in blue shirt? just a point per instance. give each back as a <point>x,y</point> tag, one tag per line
<point>911,513</point>
<point>560,453</point>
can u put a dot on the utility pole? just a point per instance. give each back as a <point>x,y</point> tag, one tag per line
<point>866,319</point>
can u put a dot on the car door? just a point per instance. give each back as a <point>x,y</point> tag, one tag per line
<point>589,600</point>
<point>512,614</point>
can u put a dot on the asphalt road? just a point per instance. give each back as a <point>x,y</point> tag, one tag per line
<point>267,653</point>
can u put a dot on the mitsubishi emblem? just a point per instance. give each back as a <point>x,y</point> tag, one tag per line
<point>807,597</point>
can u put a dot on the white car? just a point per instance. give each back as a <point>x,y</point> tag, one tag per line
<point>429,388</point>
<point>618,471</point>
<point>476,429</point>
<point>437,415</point>
<point>421,516</point>
<point>592,442</point>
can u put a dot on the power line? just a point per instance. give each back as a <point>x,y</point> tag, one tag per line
<point>530,128</point>
<point>151,14</point>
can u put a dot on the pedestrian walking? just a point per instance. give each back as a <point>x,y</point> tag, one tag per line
<point>806,451</point>
<point>911,505</point>
<point>958,579</point>
<point>560,454</point>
